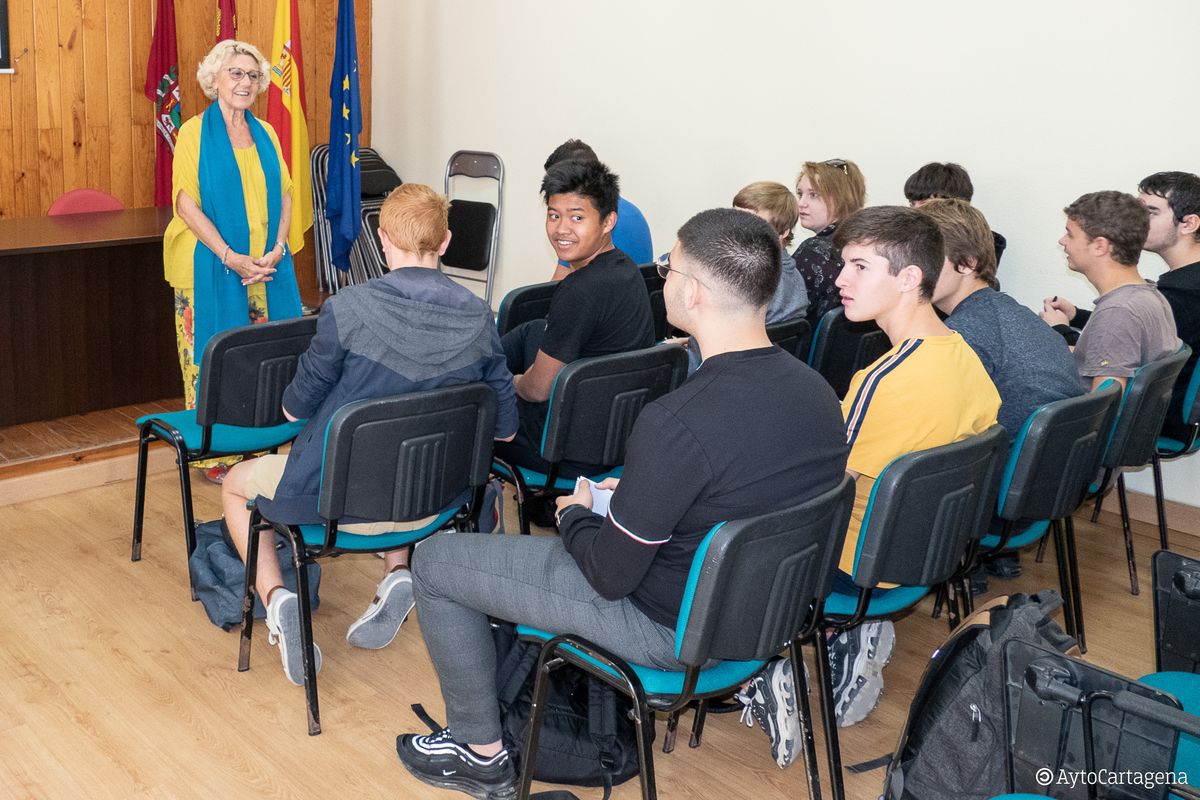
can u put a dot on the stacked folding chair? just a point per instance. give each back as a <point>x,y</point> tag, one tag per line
<point>366,256</point>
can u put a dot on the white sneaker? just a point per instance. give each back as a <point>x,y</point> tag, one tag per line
<point>380,623</point>
<point>856,659</point>
<point>770,700</point>
<point>283,626</point>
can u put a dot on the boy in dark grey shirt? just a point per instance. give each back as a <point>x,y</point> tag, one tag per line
<point>1030,364</point>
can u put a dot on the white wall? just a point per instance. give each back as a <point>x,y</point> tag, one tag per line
<point>689,101</point>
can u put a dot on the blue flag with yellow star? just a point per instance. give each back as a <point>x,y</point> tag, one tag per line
<point>343,198</point>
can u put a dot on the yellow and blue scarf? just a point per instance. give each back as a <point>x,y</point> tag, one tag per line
<point>220,298</point>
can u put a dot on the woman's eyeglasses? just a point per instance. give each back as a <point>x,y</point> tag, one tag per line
<point>237,73</point>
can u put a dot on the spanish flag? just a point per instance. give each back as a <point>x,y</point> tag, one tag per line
<point>285,112</point>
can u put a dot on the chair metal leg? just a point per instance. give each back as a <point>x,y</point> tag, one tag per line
<point>698,723</point>
<point>1076,591</point>
<point>939,602</point>
<point>189,519</point>
<point>828,720</point>
<point>249,592</point>
<point>1041,553</point>
<point>669,736</point>
<point>1064,578</point>
<point>1099,499</point>
<point>643,723</point>
<point>953,606</point>
<point>306,637</point>
<point>541,685</point>
<point>139,496</point>
<point>1159,506</point>
<point>968,602</point>
<point>804,709</point>
<point>1127,529</point>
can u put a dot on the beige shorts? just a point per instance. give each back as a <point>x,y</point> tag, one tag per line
<point>262,478</point>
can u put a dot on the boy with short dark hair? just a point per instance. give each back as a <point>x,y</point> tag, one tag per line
<point>600,307</point>
<point>930,389</point>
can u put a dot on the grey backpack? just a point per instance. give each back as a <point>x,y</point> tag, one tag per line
<point>953,743</point>
<point>220,576</point>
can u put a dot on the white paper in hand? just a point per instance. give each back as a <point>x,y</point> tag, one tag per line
<point>600,497</point>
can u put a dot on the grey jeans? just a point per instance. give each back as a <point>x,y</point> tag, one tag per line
<point>461,578</point>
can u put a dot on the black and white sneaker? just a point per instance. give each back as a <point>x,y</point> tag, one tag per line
<point>440,761</point>
<point>856,660</point>
<point>770,700</point>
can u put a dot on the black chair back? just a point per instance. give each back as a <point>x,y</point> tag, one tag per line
<point>409,456</point>
<point>658,304</point>
<point>246,370</point>
<point>841,348</point>
<point>756,581</point>
<point>1176,612</point>
<point>1056,455</point>
<point>1053,700</point>
<point>926,507</point>
<point>595,401</point>
<point>525,304</point>
<point>1140,418</point>
<point>471,224</point>
<point>793,335</point>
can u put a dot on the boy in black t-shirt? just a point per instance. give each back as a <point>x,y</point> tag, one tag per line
<point>725,445</point>
<point>601,307</point>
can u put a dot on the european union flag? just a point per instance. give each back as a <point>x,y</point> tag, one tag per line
<point>343,199</point>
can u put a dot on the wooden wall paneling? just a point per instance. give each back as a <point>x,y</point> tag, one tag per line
<point>141,29</point>
<point>25,111</point>
<point>71,93</point>
<point>6,101</point>
<point>8,184</point>
<point>97,133</point>
<point>74,111</point>
<point>118,78</point>
<point>45,55</point>
<point>50,158</point>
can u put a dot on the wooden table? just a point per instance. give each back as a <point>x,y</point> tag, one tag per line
<point>86,318</point>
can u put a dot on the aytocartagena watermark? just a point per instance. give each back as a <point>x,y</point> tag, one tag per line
<point>1106,777</point>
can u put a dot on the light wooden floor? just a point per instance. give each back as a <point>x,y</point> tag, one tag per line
<point>114,685</point>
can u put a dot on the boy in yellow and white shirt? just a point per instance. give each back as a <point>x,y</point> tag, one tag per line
<point>929,390</point>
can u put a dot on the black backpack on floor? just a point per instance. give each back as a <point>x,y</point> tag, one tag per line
<point>587,737</point>
<point>952,747</point>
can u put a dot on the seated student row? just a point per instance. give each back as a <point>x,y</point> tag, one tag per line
<point>852,288</point>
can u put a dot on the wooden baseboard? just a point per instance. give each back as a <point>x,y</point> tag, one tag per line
<point>80,472</point>
<point>1181,517</point>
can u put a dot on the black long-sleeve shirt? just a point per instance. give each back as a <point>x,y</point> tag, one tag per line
<point>748,433</point>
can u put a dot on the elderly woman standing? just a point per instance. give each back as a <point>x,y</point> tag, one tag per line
<point>227,251</point>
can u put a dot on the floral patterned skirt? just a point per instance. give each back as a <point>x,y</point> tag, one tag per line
<point>185,342</point>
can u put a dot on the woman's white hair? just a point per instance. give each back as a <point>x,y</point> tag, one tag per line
<point>220,55</point>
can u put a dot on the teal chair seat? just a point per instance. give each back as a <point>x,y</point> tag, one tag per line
<point>225,438</point>
<point>537,480</point>
<point>662,682</point>
<point>883,601</point>
<point>1185,686</point>
<point>1026,537</point>
<point>314,535</point>
<point>1172,448</point>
